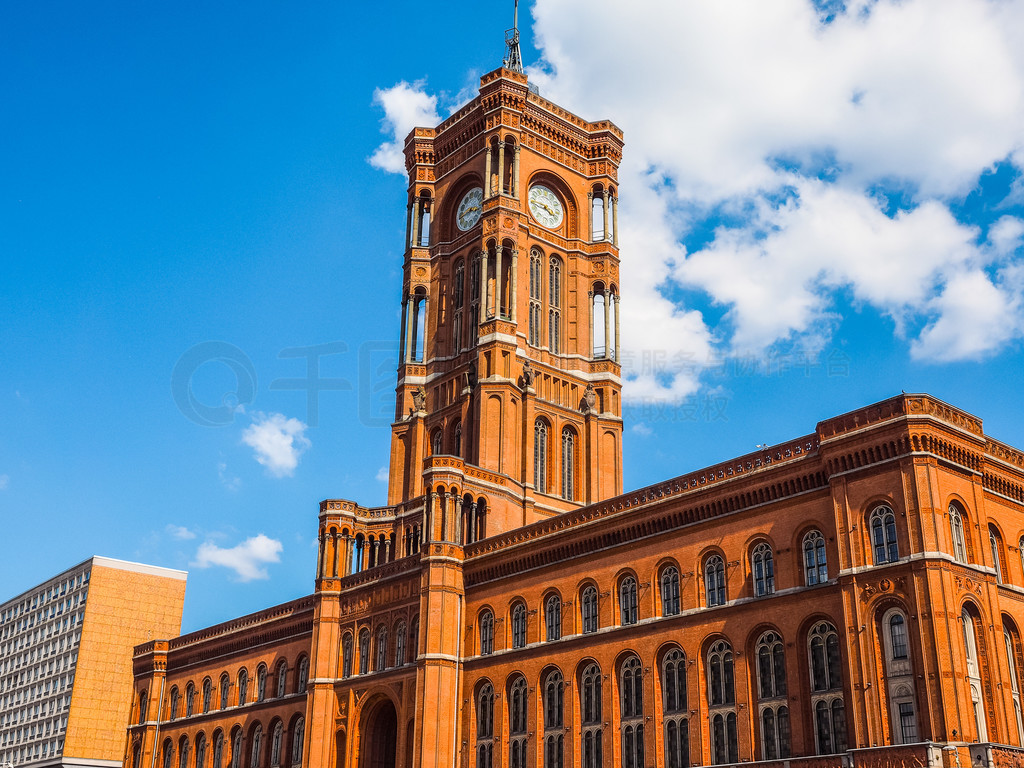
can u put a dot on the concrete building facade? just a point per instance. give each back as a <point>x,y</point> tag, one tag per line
<point>851,597</point>
<point>65,659</point>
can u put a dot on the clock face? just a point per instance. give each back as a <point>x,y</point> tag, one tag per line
<point>545,206</point>
<point>468,212</point>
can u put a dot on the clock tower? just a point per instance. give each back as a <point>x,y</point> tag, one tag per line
<point>508,400</point>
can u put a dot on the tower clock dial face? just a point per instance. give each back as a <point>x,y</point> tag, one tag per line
<point>468,212</point>
<point>545,206</point>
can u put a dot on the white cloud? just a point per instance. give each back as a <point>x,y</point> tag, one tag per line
<point>382,474</point>
<point>229,481</point>
<point>247,559</point>
<point>278,442</point>
<point>641,429</point>
<point>406,106</point>
<point>180,532</point>
<point>5,480</point>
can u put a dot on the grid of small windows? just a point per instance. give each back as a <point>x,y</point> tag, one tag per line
<point>40,633</point>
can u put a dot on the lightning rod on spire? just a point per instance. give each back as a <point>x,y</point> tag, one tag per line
<point>513,58</point>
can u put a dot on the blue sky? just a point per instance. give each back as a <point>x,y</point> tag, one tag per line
<point>821,205</point>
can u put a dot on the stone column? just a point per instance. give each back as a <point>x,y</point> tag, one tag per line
<point>458,519</point>
<point>428,518</point>
<point>376,552</point>
<point>615,223</point>
<point>387,549</point>
<point>497,280</point>
<point>487,169</point>
<point>472,522</point>
<point>501,166</point>
<point>444,533</point>
<point>513,292</point>
<point>616,326</point>
<point>323,555</point>
<point>337,540</point>
<point>607,202</point>
<point>515,173</point>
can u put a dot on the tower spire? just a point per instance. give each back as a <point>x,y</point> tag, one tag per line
<point>513,58</point>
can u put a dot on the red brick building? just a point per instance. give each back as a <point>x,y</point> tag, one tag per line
<point>851,597</point>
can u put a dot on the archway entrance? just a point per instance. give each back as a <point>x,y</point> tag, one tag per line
<point>380,736</point>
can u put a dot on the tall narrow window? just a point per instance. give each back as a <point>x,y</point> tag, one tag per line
<point>827,689</point>
<point>568,463</point>
<point>275,743</point>
<point>519,626</point>
<point>721,704</point>
<point>282,679</point>
<point>815,564</point>
<point>590,717</point>
<point>485,726</point>
<point>883,536</point>
<point>669,590</point>
<point>553,618</point>
<point>517,723</point>
<point>143,706</point>
<point>218,750</point>
<point>256,746</point>
<point>677,726</point>
<point>382,649</point>
<point>175,703</point>
<point>419,325</point>
<point>458,300</point>
<point>298,734</point>
<point>346,656</point>
<point>435,443</point>
<point>631,713</point>
<point>554,305</point>
<point>225,690</point>
<point>764,570</point>
<point>899,677</point>
<point>236,748</point>
<point>540,456</point>
<point>956,528</point>
<point>536,283</point>
<point>457,439</point>
<point>588,609</point>
<point>554,742</point>
<point>974,673</point>
<point>600,308</point>
<point>243,687</point>
<point>190,700</point>
<point>486,633</point>
<point>183,753</point>
<point>364,651</point>
<point>207,695</point>
<point>714,581</point>
<point>261,683</point>
<point>1011,643</point>
<point>771,688</point>
<point>627,601</point>
<point>200,751</point>
<point>303,675</point>
<point>995,542</point>
<point>400,642</point>
<point>168,753</point>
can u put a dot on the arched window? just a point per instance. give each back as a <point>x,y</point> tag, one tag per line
<point>588,609</point>
<point>554,304</point>
<point>486,633</point>
<point>207,695</point>
<point>554,741</point>
<point>236,748</point>
<point>190,700</point>
<point>1012,646</point>
<point>883,536</point>
<point>590,716</point>
<point>627,601</point>
<point>815,564</point>
<point>201,750</point>
<point>168,753</point>
<point>519,626</point>
<point>458,299</point>
<point>485,726</point>
<point>956,528</point>
<point>225,690</point>
<point>418,319</point>
<point>382,649</point>
<point>457,439</point>
<point>183,752</point>
<point>175,703</point>
<point>974,673</point>
<point>282,679</point>
<point>218,750</point>
<point>243,687</point>
<point>631,712</point>
<point>517,723</point>
<point>553,618</point>
<point>597,215</point>
<point>303,676</point>
<point>827,689</point>
<point>568,463</point>
<point>298,730</point>
<point>677,725</point>
<point>669,590</point>
<point>143,706</point>
<point>714,581</point>
<point>435,443</point>
<point>995,542</point>
<point>346,656</point>
<point>275,743</point>
<point>771,688</point>
<point>721,703</point>
<point>400,642</point>
<point>536,283</point>
<point>261,683</point>
<point>899,677</point>
<point>364,651</point>
<point>540,456</point>
<point>764,570</point>
<point>256,746</point>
